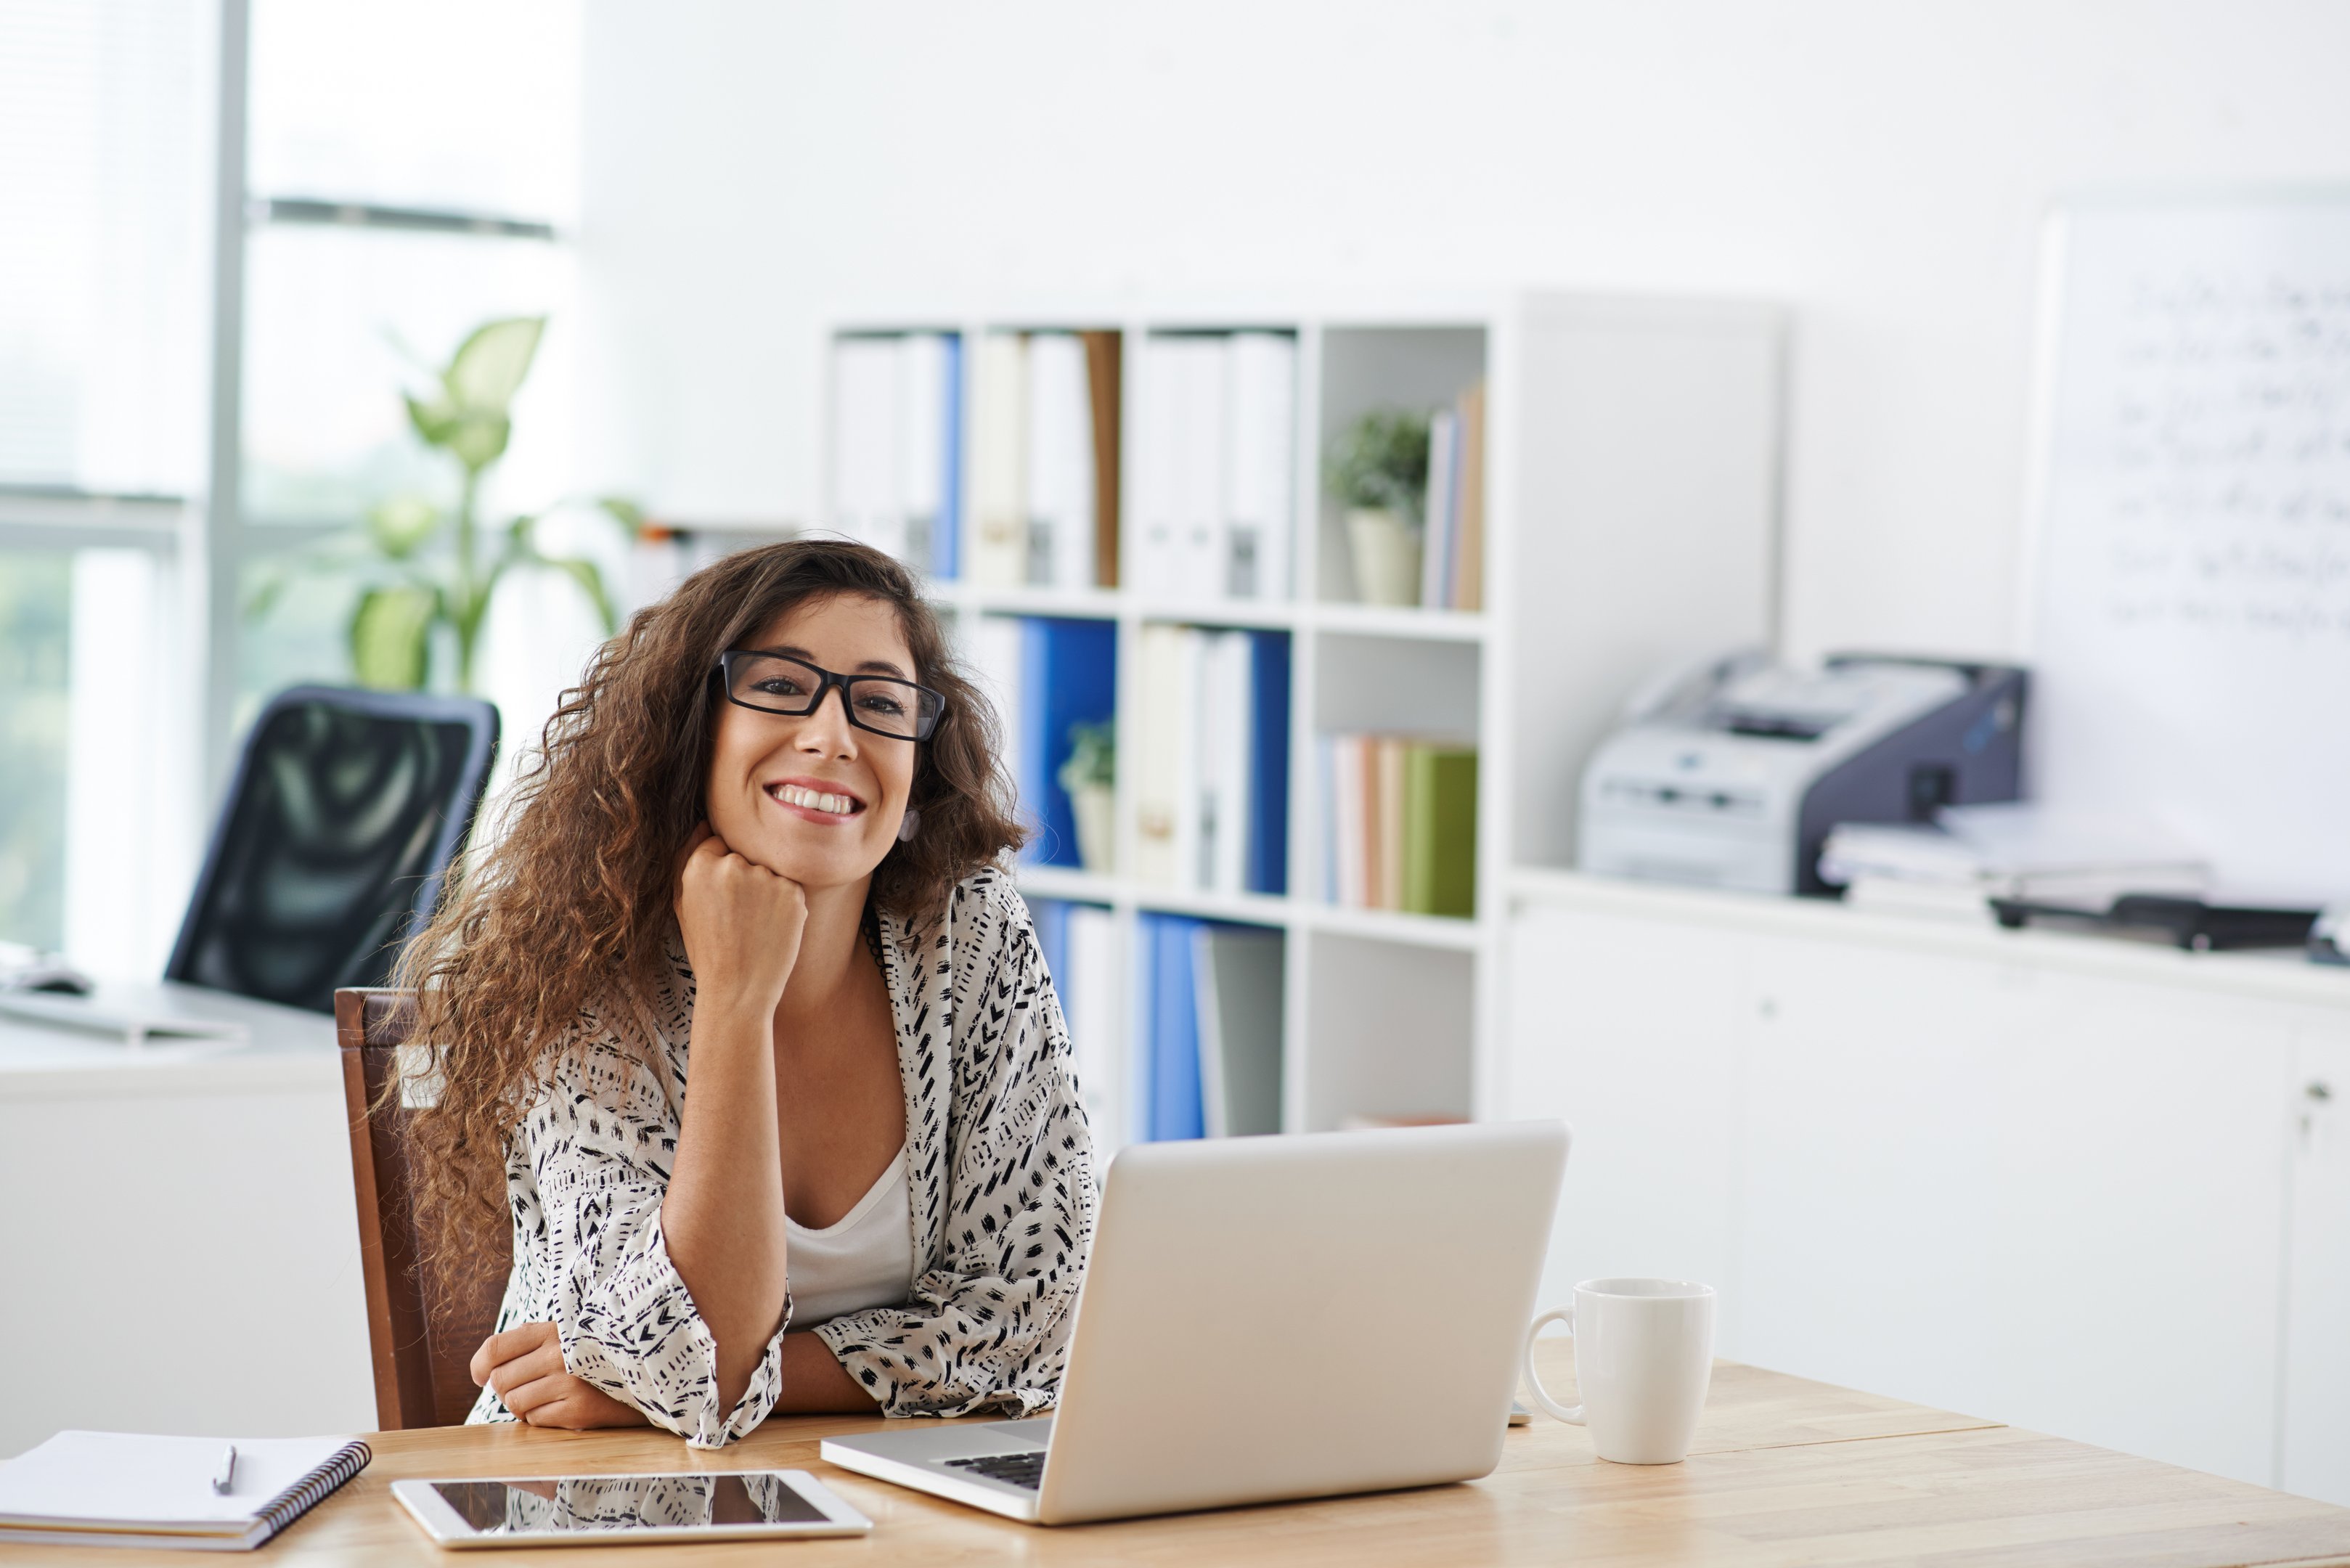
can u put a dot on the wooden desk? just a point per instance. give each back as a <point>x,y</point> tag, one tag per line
<point>1784,1473</point>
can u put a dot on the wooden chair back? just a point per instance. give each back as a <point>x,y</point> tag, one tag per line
<point>423,1325</point>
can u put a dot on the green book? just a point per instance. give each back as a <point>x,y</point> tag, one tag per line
<point>1439,830</point>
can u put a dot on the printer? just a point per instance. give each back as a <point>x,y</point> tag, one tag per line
<point>1730,772</point>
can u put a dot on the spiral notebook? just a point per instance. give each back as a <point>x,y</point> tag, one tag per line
<point>125,1489</point>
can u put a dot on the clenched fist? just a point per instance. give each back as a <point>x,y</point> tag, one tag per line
<point>523,1366</point>
<point>741,925</point>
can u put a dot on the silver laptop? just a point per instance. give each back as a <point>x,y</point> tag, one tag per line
<point>1268,1318</point>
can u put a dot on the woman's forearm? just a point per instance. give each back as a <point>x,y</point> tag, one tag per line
<point>724,1213</point>
<point>814,1380</point>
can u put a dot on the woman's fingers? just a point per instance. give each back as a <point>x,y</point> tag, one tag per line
<point>501,1348</point>
<point>569,1403</point>
<point>529,1396</point>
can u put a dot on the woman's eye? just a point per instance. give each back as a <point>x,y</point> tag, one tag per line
<point>781,686</point>
<point>875,703</point>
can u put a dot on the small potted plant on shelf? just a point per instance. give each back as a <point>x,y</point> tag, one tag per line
<point>1378,470</point>
<point>1090,777</point>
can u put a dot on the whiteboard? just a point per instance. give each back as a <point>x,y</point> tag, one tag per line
<point>2188,608</point>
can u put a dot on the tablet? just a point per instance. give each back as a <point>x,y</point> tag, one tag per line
<point>582,1510</point>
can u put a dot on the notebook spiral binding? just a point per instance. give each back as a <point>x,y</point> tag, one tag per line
<point>315,1488</point>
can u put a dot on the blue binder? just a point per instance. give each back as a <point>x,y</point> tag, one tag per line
<point>1051,919</point>
<point>1068,675</point>
<point>1268,845</point>
<point>1171,1107</point>
<point>946,544</point>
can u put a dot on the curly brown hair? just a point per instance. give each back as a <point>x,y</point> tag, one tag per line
<point>568,911</point>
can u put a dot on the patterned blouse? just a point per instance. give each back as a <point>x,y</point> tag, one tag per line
<point>997,1155</point>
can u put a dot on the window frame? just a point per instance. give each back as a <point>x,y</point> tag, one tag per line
<point>201,543</point>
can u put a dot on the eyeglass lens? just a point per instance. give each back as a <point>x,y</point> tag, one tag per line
<point>779,685</point>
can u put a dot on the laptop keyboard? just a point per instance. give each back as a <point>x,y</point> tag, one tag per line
<point>1026,1470</point>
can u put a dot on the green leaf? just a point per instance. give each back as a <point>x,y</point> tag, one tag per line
<point>489,366</point>
<point>478,441</point>
<point>434,422</point>
<point>391,633</point>
<point>401,526</point>
<point>267,593</point>
<point>1380,460</point>
<point>591,583</point>
<point>625,511</point>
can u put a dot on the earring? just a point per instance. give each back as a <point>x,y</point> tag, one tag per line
<point>908,824</point>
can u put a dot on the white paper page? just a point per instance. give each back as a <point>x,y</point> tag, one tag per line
<point>124,1477</point>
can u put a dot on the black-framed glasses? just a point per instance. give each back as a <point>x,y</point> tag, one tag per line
<point>778,683</point>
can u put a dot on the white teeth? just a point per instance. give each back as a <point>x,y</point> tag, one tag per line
<point>815,800</point>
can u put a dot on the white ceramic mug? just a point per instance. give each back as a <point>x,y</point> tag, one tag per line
<point>1643,1360</point>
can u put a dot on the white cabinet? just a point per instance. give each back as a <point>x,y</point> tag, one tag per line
<point>181,1247</point>
<point>2098,1191</point>
<point>1865,1218</point>
<point>2316,1391</point>
<point>2013,1192</point>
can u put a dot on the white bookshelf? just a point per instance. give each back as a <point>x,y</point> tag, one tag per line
<point>1632,492</point>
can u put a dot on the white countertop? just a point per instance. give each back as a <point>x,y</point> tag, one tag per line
<point>2279,974</point>
<point>282,1048</point>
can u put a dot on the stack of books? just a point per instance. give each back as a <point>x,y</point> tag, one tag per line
<point>1215,475</point>
<point>1045,675</point>
<point>1452,552</point>
<point>1399,824</point>
<point>1044,461</point>
<point>1211,1044</point>
<point>1210,750</point>
<point>897,445</point>
<point>1970,855</point>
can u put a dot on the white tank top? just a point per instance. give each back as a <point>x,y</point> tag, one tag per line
<point>865,1259</point>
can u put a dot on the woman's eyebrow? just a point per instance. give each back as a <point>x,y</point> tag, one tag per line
<point>870,666</point>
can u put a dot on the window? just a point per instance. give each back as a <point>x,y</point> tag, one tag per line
<point>411,168</point>
<point>105,127</point>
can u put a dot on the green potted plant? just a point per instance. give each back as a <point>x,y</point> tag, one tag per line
<point>1376,469</point>
<point>423,565</point>
<point>1091,775</point>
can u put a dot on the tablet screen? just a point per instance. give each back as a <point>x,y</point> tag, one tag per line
<point>586,1503</point>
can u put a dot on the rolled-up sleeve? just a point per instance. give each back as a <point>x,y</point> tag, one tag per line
<point>628,1323</point>
<point>987,1327</point>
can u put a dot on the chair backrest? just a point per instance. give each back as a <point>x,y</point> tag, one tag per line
<point>423,1323</point>
<point>346,810</point>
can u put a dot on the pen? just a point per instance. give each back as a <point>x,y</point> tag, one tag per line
<point>227,1477</point>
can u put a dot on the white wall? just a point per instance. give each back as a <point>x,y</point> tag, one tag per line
<point>752,167</point>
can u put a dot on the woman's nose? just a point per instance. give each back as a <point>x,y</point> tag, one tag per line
<point>827,727</point>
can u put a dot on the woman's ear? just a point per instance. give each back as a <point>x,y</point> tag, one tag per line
<point>909,824</point>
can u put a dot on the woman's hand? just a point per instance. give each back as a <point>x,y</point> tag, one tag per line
<point>525,1365</point>
<point>741,925</point>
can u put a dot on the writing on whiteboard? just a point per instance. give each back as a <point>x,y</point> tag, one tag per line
<point>2228,447</point>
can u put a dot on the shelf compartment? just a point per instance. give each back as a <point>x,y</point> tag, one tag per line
<point>1390,1027</point>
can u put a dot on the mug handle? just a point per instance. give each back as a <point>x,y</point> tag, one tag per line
<point>1572,1415</point>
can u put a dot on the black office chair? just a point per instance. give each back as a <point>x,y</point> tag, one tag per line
<point>346,810</point>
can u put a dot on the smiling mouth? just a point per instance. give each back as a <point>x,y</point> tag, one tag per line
<point>815,799</point>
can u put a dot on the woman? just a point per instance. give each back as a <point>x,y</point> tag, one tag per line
<point>756,1033</point>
